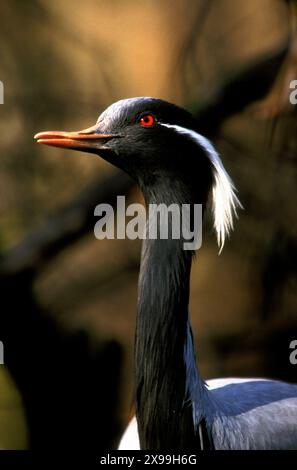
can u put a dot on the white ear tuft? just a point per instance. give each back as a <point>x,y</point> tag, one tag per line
<point>224,200</point>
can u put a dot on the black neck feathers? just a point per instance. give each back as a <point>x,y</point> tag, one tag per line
<point>166,372</point>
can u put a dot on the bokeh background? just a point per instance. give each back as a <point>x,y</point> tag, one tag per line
<point>68,301</point>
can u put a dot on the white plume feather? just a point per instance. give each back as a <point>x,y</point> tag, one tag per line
<point>224,200</point>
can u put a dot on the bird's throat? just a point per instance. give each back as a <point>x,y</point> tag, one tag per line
<point>166,372</point>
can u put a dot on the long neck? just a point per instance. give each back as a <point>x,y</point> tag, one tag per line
<point>166,372</point>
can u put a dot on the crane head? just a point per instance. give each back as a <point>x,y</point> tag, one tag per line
<point>156,141</point>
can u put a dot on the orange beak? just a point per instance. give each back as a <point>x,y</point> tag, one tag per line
<point>87,139</point>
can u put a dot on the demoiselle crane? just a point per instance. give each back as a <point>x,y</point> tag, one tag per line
<point>158,144</point>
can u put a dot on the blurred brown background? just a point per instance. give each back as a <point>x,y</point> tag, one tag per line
<point>68,301</point>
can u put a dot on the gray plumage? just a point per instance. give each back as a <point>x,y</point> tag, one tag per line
<point>159,145</point>
<point>244,414</point>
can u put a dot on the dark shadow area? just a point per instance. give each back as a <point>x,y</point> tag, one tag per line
<point>70,391</point>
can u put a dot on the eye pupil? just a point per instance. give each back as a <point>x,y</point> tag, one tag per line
<point>147,121</point>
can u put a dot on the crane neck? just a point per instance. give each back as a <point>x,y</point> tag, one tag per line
<point>167,378</point>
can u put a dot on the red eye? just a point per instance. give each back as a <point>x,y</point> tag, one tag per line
<point>147,120</point>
